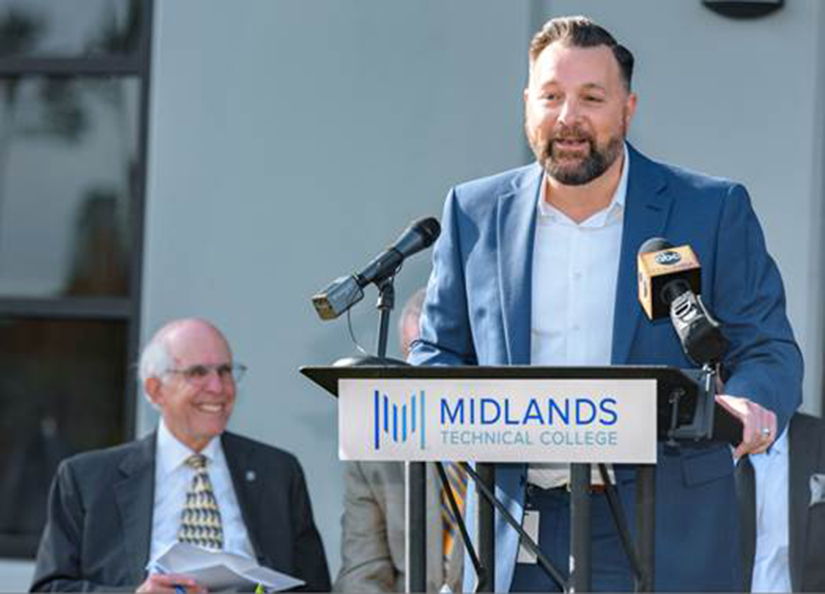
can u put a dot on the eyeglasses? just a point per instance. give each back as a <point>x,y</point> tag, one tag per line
<point>199,374</point>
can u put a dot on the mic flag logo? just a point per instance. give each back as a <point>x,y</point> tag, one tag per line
<point>398,421</point>
<point>668,258</point>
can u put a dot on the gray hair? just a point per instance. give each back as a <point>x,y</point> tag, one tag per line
<point>155,360</point>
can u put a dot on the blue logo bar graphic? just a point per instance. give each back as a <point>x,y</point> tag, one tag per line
<point>398,421</point>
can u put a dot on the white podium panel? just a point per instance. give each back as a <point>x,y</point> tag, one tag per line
<point>498,420</point>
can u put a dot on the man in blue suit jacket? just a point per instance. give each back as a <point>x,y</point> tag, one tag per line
<point>537,266</point>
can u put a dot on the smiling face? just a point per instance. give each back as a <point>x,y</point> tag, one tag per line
<point>577,111</point>
<point>194,409</point>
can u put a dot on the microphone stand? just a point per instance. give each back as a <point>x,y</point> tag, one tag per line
<point>415,472</point>
<point>385,305</point>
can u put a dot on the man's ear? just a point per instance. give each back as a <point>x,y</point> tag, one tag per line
<point>152,386</point>
<point>630,109</point>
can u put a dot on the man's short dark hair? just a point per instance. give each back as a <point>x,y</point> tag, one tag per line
<point>579,31</point>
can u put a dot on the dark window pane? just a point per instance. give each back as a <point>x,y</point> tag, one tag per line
<point>67,182</point>
<point>69,28</point>
<point>62,387</point>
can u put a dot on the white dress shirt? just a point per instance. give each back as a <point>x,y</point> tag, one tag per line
<point>172,480</point>
<point>575,271</point>
<point>771,563</point>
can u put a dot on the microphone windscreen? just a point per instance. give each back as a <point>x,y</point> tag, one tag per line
<point>655,244</point>
<point>429,228</point>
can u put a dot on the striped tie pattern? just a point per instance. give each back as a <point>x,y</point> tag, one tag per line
<point>458,485</point>
<point>201,519</point>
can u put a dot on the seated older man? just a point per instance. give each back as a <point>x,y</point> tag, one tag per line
<point>112,511</point>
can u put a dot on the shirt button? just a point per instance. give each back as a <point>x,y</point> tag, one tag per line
<point>577,275</point>
<point>575,327</point>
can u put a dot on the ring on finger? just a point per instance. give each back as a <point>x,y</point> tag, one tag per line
<point>766,431</point>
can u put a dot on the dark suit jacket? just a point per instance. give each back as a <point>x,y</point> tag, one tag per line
<point>806,537</point>
<point>478,311</point>
<point>806,523</point>
<point>98,530</point>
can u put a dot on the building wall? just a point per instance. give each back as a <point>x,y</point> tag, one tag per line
<point>292,140</point>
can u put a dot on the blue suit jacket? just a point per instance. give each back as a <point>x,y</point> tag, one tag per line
<point>477,312</point>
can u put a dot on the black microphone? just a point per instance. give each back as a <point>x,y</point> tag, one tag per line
<point>346,291</point>
<point>670,281</point>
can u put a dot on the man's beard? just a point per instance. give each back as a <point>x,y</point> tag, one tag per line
<point>590,167</point>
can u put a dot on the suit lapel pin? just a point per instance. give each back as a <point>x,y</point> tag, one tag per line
<point>817,489</point>
<point>250,476</point>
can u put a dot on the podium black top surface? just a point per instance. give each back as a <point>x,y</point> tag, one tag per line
<point>667,377</point>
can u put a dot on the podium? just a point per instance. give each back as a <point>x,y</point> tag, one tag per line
<point>486,415</point>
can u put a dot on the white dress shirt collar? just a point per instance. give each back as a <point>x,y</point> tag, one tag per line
<point>172,453</point>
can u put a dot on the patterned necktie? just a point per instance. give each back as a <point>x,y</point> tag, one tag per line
<point>201,519</point>
<point>458,484</point>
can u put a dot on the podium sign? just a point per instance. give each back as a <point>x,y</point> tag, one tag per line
<point>498,420</point>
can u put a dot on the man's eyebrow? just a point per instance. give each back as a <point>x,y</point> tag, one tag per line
<point>587,86</point>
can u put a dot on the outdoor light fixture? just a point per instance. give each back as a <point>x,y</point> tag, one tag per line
<point>744,9</point>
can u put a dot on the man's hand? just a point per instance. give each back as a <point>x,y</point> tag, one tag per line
<point>171,583</point>
<point>758,424</point>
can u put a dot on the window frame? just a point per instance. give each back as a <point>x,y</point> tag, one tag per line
<point>137,66</point>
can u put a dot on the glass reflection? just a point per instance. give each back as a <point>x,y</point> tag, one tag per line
<point>68,151</point>
<point>69,28</point>
<point>61,391</point>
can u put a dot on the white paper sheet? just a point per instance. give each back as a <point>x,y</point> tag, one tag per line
<point>220,571</point>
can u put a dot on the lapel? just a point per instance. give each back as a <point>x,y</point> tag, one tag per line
<point>647,207</point>
<point>135,496</point>
<point>516,228</point>
<point>802,448</point>
<point>246,480</point>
